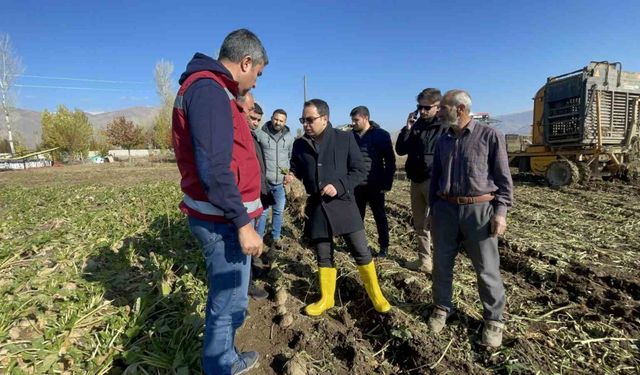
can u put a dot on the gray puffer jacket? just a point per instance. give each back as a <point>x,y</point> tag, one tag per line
<point>277,151</point>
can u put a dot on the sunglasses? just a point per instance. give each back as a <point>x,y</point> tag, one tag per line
<point>308,120</point>
<point>427,107</point>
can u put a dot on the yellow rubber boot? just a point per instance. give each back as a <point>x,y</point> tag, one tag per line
<point>327,277</point>
<point>370,280</point>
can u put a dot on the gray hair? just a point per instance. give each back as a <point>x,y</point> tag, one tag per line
<point>457,97</point>
<point>241,43</point>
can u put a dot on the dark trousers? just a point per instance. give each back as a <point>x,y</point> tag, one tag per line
<point>470,225</point>
<point>375,198</point>
<point>357,243</point>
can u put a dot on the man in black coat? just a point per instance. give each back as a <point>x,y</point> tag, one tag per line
<point>248,104</point>
<point>380,162</point>
<point>329,164</point>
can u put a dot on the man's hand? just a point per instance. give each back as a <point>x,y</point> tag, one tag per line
<point>329,190</point>
<point>411,120</point>
<point>288,178</point>
<point>498,225</point>
<point>250,240</point>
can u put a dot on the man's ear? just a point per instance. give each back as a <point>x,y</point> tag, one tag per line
<point>246,64</point>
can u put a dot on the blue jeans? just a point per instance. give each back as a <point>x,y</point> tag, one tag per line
<point>278,209</point>
<point>228,279</point>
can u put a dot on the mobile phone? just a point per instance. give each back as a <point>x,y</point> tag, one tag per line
<point>416,115</point>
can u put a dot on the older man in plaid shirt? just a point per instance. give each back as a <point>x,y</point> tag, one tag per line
<point>470,192</point>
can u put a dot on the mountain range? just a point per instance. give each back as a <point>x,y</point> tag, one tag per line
<point>27,122</point>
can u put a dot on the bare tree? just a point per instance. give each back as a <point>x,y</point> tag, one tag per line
<point>162,121</point>
<point>162,76</point>
<point>10,69</point>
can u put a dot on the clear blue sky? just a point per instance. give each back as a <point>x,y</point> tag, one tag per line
<point>374,53</point>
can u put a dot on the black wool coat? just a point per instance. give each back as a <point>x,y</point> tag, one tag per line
<point>335,160</point>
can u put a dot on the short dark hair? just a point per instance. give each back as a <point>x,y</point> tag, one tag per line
<point>360,111</point>
<point>241,43</point>
<point>280,111</point>
<point>257,109</point>
<point>321,106</point>
<point>430,94</point>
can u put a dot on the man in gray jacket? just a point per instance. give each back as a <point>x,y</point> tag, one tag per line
<point>276,141</point>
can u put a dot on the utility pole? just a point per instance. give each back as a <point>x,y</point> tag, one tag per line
<point>305,88</point>
<point>5,107</point>
<point>10,68</point>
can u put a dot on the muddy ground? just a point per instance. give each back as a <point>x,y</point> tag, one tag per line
<point>570,266</point>
<point>101,275</point>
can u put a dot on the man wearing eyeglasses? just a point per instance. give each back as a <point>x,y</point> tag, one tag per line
<point>417,140</point>
<point>329,164</point>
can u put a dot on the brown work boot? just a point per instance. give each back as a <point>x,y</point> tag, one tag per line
<point>422,264</point>
<point>438,319</point>
<point>492,333</point>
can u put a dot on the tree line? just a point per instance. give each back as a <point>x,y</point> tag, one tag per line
<point>71,132</point>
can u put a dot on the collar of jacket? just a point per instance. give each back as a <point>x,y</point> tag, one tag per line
<point>467,129</point>
<point>267,129</point>
<point>427,123</point>
<point>327,136</point>
<point>201,62</point>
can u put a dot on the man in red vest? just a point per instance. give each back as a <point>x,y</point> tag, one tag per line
<point>221,185</point>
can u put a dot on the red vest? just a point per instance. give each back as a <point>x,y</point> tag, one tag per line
<point>244,164</point>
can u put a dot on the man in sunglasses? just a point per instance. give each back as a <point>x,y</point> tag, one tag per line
<point>417,140</point>
<point>329,164</point>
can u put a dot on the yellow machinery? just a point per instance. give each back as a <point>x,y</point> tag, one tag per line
<point>585,124</point>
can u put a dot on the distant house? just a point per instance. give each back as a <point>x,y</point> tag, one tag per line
<point>37,159</point>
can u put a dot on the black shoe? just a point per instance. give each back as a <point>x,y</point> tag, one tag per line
<point>383,253</point>
<point>246,361</point>
<point>257,262</point>
<point>257,293</point>
<point>277,244</point>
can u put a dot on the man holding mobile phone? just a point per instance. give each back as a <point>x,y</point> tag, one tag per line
<point>417,140</point>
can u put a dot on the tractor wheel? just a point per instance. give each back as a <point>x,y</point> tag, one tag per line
<point>562,173</point>
<point>585,172</point>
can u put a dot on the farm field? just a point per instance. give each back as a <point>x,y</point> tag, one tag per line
<point>100,275</point>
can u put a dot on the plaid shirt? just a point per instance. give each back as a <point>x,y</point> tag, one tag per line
<point>472,164</point>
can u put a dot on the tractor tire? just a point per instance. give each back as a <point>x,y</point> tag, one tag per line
<point>562,173</point>
<point>585,172</point>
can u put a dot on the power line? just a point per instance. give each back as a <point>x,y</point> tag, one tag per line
<point>70,87</point>
<point>81,79</point>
